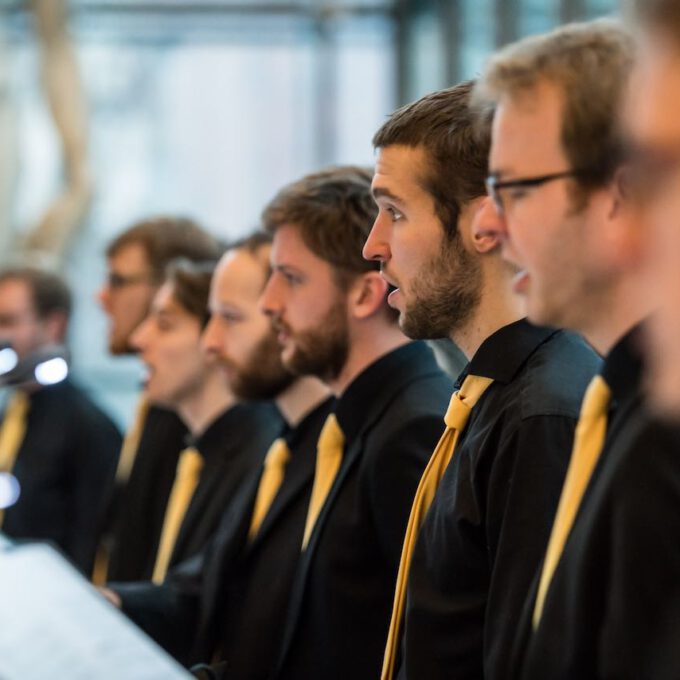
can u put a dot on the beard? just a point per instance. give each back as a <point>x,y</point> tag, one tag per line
<point>321,351</point>
<point>263,376</point>
<point>444,294</point>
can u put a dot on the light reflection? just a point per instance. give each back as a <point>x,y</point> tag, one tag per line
<point>10,490</point>
<point>8,360</point>
<point>51,371</point>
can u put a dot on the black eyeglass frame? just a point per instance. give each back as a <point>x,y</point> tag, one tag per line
<point>494,185</point>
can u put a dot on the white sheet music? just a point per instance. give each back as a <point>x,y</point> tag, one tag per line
<point>53,624</point>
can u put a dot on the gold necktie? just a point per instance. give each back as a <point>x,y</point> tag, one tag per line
<point>328,458</point>
<point>186,480</point>
<point>460,407</point>
<point>12,432</point>
<point>588,442</point>
<point>270,482</point>
<point>131,442</point>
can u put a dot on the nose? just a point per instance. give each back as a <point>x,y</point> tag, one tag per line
<point>103,297</point>
<point>270,302</point>
<point>488,221</point>
<point>211,338</point>
<point>377,245</point>
<point>140,336</point>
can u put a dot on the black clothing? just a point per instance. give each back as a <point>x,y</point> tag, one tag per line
<point>65,465</point>
<point>611,610</point>
<point>232,598</point>
<point>139,507</point>
<point>490,520</point>
<point>232,448</point>
<point>256,595</point>
<point>391,416</point>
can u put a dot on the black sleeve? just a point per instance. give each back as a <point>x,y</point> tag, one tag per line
<point>96,445</point>
<point>394,476</point>
<point>639,636</point>
<point>523,489</point>
<point>168,613</point>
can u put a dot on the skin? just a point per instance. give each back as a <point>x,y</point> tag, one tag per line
<point>238,335</point>
<point>317,321</point>
<point>651,117</point>
<point>128,305</point>
<point>578,265</point>
<point>180,375</point>
<point>237,324</point>
<point>20,324</point>
<point>456,288</point>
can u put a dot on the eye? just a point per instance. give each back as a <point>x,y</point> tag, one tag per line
<point>291,279</point>
<point>394,214</point>
<point>230,317</point>
<point>516,193</point>
<point>164,325</point>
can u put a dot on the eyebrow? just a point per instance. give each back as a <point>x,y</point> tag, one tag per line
<point>380,192</point>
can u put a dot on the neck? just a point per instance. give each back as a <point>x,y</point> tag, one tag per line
<point>301,397</point>
<point>498,307</point>
<point>199,410</point>
<point>614,314</point>
<point>375,338</point>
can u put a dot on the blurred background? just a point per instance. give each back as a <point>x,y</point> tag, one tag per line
<point>204,109</point>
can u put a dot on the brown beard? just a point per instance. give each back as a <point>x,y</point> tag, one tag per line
<point>263,376</point>
<point>321,351</point>
<point>445,293</point>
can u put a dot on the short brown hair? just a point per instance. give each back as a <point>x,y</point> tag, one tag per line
<point>662,15</point>
<point>190,283</point>
<point>590,63</point>
<point>334,211</point>
<point>457,149</point>
<point>50,293</point>
<point>165,239</point>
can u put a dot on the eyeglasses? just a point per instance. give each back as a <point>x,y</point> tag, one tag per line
<point>115,281</point>
<point>494,186</point>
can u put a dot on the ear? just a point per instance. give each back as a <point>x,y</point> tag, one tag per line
<point>367,295</point>
<point>478,218</point>
<point>55,327</point>
<point>623,224</point>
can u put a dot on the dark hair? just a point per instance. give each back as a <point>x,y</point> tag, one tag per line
<point>456,148</point>
<point>165,239</point>
<point>50,293</point>
<point>334,211</point>
<point>190,283</point>
<point>660,14</point>
<point>589,63</point>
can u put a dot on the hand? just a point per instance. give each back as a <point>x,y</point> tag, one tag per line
<point>112,596</point>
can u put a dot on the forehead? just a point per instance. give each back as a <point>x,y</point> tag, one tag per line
<point>290,250</point>
<point>654,94</point>
<point>16,294</point>
<point>164,300</point>
<point>129,258</point>
<point>527,130</point>
<point>240,276</point>
<point>398,169</point>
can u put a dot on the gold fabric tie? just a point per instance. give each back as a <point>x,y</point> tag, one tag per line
<point>186,480</point>
<point>457,415</point>
<point>329,452</point>
<point>12,432</point>
<point>588,442</point>
<point>128,451</point>
<point>270,483</point>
